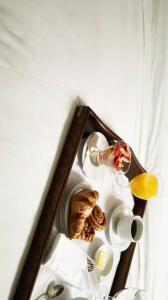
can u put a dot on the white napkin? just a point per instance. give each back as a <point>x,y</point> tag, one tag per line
<point>67,260</point>
<point>45,278</point>
<point>67,266</point>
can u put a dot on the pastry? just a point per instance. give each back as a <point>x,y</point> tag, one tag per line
<point>81,207</point>
<point>97,219</point>
<point>88,233</point>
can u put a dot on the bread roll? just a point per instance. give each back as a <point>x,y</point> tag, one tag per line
<point>97,219</point>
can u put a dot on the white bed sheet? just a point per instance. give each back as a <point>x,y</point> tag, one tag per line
<point>152,148</point>
<point>110,55</point>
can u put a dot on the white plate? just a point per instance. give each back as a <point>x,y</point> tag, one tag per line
<point>114,239</point>
<point>95,140</point>
<point>65,211</point>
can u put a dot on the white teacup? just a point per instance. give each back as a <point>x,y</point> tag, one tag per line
<point>130,228</point>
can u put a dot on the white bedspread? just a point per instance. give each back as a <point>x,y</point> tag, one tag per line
<point>110,55</point>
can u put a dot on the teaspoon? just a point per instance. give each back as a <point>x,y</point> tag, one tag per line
<point>52,291</point>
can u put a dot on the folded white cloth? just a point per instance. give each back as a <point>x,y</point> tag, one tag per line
<point>67,260</point>
<point>68,266</point>
<point>46,277</point>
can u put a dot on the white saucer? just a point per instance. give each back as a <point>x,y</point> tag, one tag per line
<point>96,140</point>
<point>65,211</point>
<point>114,239</point>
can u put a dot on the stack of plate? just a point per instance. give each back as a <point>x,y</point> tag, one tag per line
<point>64,211</point>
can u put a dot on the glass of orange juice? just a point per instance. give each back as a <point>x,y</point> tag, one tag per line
<point>146,186</point>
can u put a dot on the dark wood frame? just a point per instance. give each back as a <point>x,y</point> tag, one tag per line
<point>85,121</point>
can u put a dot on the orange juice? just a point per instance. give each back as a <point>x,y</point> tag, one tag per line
<point>144,186</point>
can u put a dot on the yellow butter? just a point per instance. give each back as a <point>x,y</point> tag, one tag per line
<point>101,260</point>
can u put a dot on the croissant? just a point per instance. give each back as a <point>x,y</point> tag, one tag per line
<point>97,219</point>
<point>81,207</point>
<point>87,233</point>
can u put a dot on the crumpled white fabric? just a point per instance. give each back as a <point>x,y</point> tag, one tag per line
<point>152,146</point>
<point>54,55</point>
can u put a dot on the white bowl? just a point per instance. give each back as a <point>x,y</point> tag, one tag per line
<point>109,259</point>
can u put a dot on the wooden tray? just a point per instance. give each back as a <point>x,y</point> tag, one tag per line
<point>85,121</point>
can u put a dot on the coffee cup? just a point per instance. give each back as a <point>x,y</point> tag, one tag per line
<point>130,228</point>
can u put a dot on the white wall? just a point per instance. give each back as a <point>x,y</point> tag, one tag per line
<point>51,53</point>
